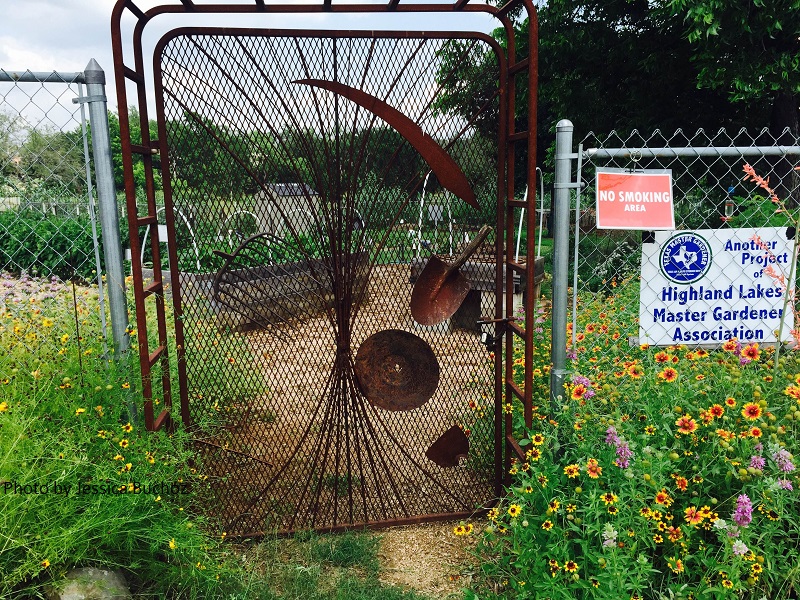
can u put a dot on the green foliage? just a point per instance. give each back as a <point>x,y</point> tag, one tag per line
<point>10,128</point>
<point>319,567</point>
<point>387,156</point>
<point>210,157</point>
<point>114,495</point>
<point>47,245</point>
<point>608,258</point>
<point>469,64</point>
<point>55,158</point>
<point>633,481</point>
<point>623,65</point>
<point>347,550</point>
<point>136,138</point>
<point>607,65</point>
<point>45,157</point>
<point>64,423</point>
<point>748,48</point>
<point>756,209</point>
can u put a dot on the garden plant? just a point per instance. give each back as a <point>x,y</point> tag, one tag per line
<point>82,484</point>
<point>661,472</point>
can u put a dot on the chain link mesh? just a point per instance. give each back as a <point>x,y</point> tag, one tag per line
<point>302,220</point>
<point>711,198</point>
<point>47,230</point>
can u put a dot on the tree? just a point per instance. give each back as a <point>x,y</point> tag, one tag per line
<point>750,48</point>
<point>56,159</point>
<point>209,157</point>
<point>9,145</point>
<point>623,65</point>
<point>136,138</point>
<point>605,65</point>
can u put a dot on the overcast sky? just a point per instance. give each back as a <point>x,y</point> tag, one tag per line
<point>62,35</point>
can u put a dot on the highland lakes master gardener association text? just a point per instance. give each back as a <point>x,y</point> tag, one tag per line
<point>710,286</point>
<point>722,313</point>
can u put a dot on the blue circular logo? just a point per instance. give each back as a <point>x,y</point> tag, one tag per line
<point>685,258</point>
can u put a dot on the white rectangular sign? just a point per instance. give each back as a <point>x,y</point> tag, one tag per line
<point>708,286</point>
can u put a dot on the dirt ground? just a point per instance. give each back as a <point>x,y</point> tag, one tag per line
<point>427,558</point>
<point>301,461</point>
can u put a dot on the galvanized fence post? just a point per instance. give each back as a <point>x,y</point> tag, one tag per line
<point>107,201</point>
<point>561,193</point>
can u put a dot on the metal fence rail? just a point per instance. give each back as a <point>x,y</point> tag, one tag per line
<point>49,223</point>
<point>710,200</point>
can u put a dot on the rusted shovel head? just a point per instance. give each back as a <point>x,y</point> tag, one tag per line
<point>438,293</point>
<point>440,288</point>
<point>396,370</point>
<point>451,446</point>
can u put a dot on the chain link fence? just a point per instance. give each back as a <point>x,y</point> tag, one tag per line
<point>49,233</point>
<point>710,279</point>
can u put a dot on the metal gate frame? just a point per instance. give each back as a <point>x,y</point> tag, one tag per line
<point>511,142</point>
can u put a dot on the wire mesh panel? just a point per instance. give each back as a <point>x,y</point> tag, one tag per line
<point>319,175</point>
<point>704,283</point>
<point>47,221</point>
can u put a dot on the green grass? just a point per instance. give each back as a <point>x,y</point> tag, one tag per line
<point>318,567</point>
<point>347,550</point>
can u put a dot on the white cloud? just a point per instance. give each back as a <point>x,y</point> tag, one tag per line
<point>63,35</point>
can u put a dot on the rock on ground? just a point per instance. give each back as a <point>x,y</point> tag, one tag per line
<point>89,583</point>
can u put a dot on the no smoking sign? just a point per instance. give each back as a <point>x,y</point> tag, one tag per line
<point>634,200</point>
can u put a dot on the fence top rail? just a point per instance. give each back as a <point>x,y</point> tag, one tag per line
<point>636,153</point>
<point>41,77</point>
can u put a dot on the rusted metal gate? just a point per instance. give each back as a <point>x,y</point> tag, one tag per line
<point>308,177</point>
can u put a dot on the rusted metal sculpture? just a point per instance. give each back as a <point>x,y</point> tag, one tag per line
<point>450,175</point>
<point>441,288</point>
<point>267,337</point>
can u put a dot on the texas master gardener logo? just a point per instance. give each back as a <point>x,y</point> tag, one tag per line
<point>685,258</point>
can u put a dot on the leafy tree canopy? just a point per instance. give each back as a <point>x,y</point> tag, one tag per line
<point>648,64</point>
<point>750,48</point>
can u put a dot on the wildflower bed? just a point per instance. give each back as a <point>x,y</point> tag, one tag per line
<point>81,483</point>
<point>661,473</point>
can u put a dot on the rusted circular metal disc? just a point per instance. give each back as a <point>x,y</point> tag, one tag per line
<point>396,370</point>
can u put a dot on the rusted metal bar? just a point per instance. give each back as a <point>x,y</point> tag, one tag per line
<point>530,299</point>
<point>134,9</point>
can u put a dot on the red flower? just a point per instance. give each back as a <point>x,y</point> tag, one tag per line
<point>669,375</point>
<point>692,515</point>
<point>751,411</point>
<point>730,345</point>
<point>750,351</point>
<point>686,425</point>
<point>661,357</point>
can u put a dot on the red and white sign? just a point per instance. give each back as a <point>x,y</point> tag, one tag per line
<point>634,200</point>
